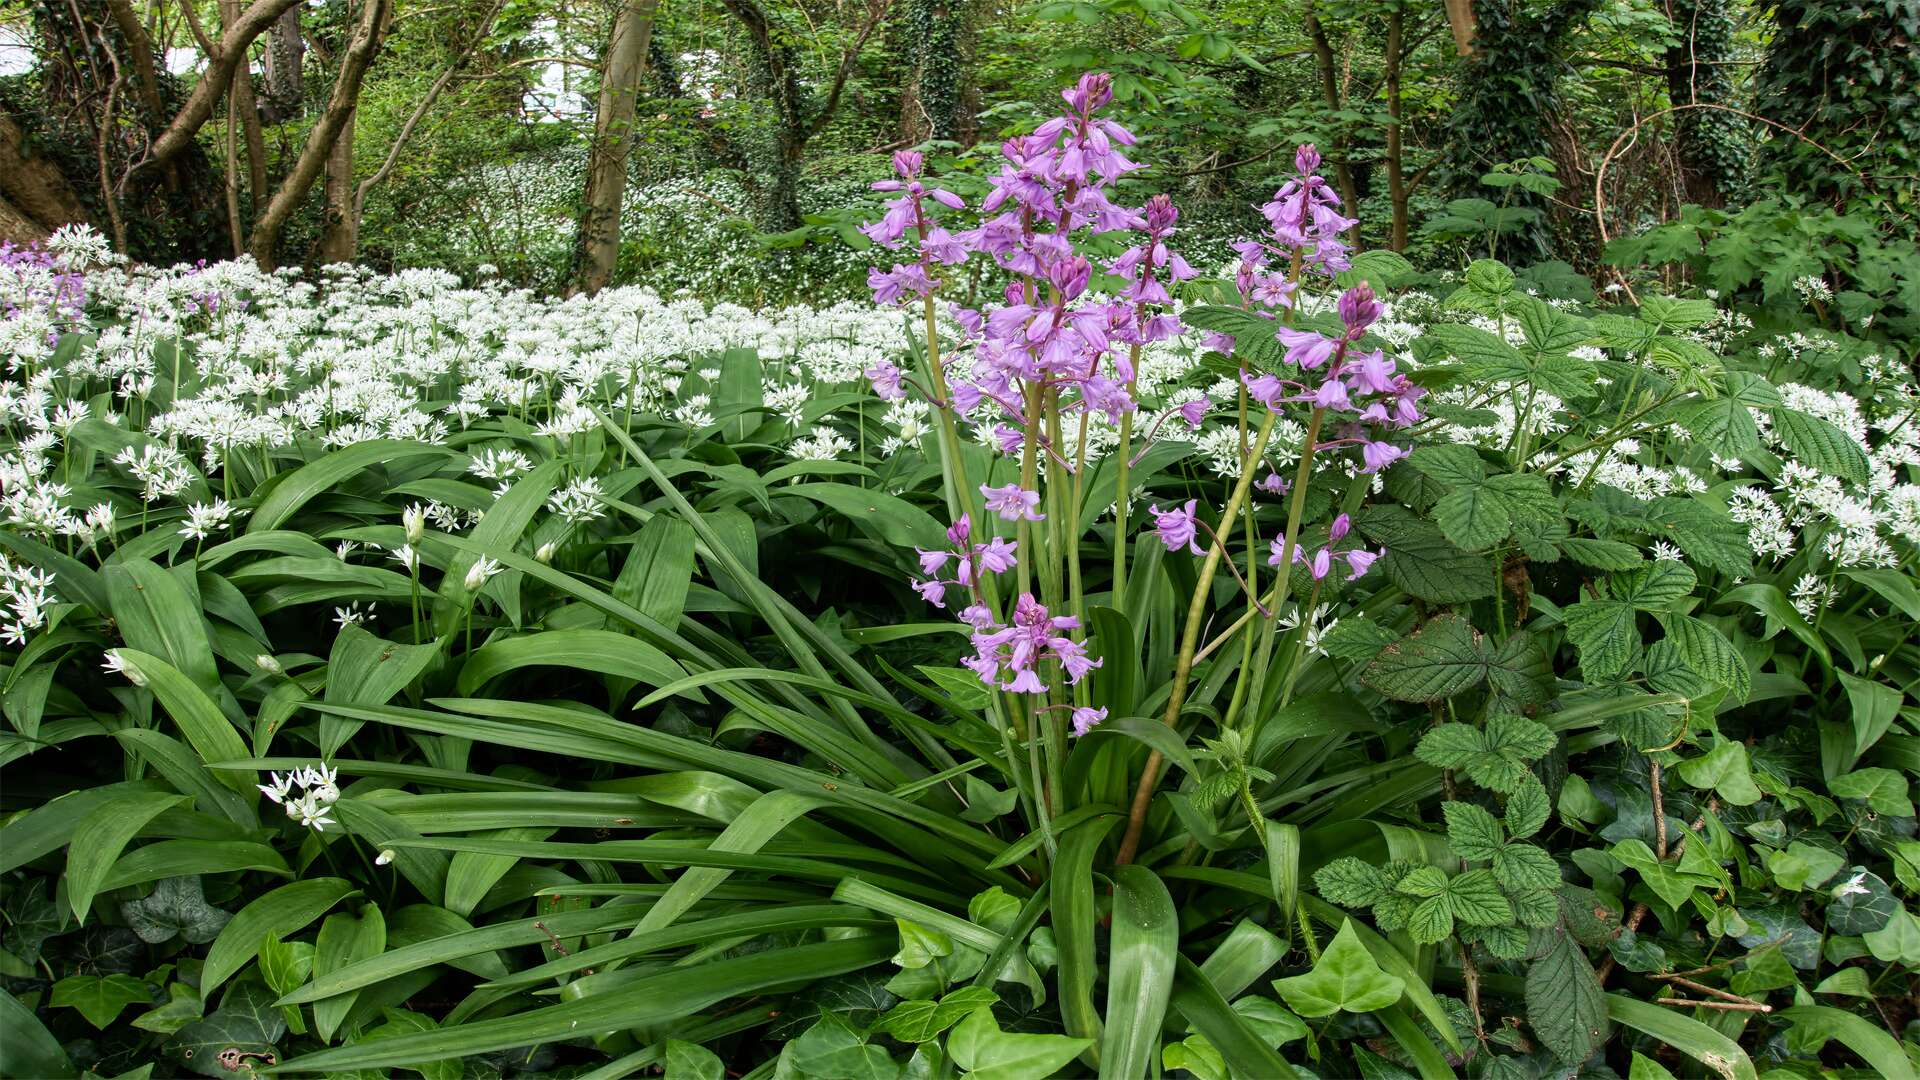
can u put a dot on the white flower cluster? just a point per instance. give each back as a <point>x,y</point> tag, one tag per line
<point>318,793</point>
<point>26,593</point>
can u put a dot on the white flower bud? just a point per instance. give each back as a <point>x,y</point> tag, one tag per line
<point>545,554</point>
<point>415,520</point>
<point>267,663</point>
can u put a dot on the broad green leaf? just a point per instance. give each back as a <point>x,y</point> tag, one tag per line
<point>207,729</point>
<point>1565,1005</point>
<point>344,939</point>
<point>600,651</point>
<point>1878,1049</point>
<point>1143,949</point>
<point>1707,651</point>
<point>1439,660</point>
<point>177,907</point>
<point>291,491</point>
<point>923,1021</point>
<point>99,998</point>
<point>1346,978</point>
<point>1604,633</point>
<point>100,839</point>
<point>1704,1044</point>
<point>979,1046</point>
<point>1818,443</point>
<point>282,912</point>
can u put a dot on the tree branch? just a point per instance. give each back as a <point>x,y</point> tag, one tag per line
<point>213,83</point>
<point>426,102</point>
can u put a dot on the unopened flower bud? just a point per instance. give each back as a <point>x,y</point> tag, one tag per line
<point>268,663</point>
<point>545,552</point>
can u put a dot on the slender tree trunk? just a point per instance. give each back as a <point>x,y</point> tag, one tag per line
<point>1330,89</point>
<point>1461,19</point>
<point>306,169</point>
<point>249,110</point>
<point>340,237</point>
<point>598,245</point>
<point>1397,191</point>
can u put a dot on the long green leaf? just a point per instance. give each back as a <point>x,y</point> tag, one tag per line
<point>100,838</point>
<point>1073,930</point>
<point>293,490</point>
<point>282,913</point>
<point>1685,1034</point>
<point>1874,1046</point>
<point>665,996</point>
<point>1145,946</point>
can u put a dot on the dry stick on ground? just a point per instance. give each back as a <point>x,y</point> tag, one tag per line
<point>1639,913</point>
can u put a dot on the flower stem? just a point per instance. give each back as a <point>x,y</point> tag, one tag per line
<point>1190,640</point>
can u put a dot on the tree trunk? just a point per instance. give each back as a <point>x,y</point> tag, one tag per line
<point>1330,89</point>
<point>213,82</point>
<point>1460,18</point>
<point>938,100</point>
<point>1397,191</point>
<point>1710,145</point>
<point>249,110</point>
<point>339,112</point>
<point>286,51</point>
<point>340,237</point>
<point>35,188</point>
<point>597,247</point>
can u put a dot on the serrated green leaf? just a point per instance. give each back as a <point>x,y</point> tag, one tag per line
<point>1819,443</point>
<point>1437,661</point>
<point>1565,1005</point>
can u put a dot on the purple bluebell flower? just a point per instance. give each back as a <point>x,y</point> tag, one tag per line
<point>1177,527</point>
<point>1012,502</point>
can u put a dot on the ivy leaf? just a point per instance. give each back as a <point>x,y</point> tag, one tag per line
<point>980,1047</point>
<point>1883,790</point>
<point>691,1061</point>
<point>923,1021</point>
<point>1439,660</point>
<point>1862,903</point>
<point>1804,866</point>
<point>245,1028</point>
<point>1604,634</point>
<point>985,802</point>
<point>1724,770</point>
<point>1898,941</point>
<point>100,998</point>
<point>831,1050</point>
<point>1565,1004</point>
<point>920,945</point>
<point>182,1007</point>
<point>175,907</point>
<point>1346,977</point>
<point>1670,884</point>
<point>1821,445</point>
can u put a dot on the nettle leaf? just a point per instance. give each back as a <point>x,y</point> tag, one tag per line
<point>1706,534</point>
<point>1522,868</point>
<point>1656,586</point>
<point>1527,810</point>
<point>176,906</point>
<point>1820,444</point>
<point>1474,897</point>
<point>1495,757</point>
<point>1566,1007</point>
<point>100,998</point>
<point>1601,554</point>
<point>1708,652</point>
<point>1439,660</point>
<point>1604,634</point>
<point>1472,832</point>
<point>1421,560</point>
<point>1723,770</point>
<point>1352,882</point>
<point>1549,329</point>
<point>1345,978</point>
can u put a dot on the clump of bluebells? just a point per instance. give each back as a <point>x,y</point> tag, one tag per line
<point>1053,363</point>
